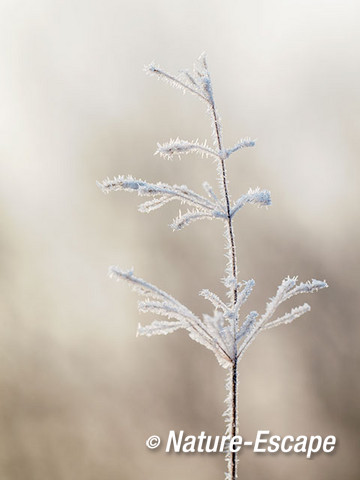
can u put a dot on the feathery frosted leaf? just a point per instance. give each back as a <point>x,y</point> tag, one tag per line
<point>140,285</point>
<point>230,281</point>
<point>189,77</point>
<point>258,197</point>
<point>156,203</point>
<point>216,328</point>
<point>165,308</point>
<point>184,81</point>
<point>288,317</point>
<point>121,183</point>
<point>243,143</point>
<point>307,287</point>
<point>166,192</point>
<point>159,327</point>
<point>244,290</point>
<point>209,190</point>
<point>286,290</point>
<point>214,299</point>
<point>189,217</point>
<point>179,147</point>
<point>247,326</point>
<point>172,308</point>
<point>198,83</point>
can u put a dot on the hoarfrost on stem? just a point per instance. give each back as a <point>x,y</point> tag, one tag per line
<point>227,333</point>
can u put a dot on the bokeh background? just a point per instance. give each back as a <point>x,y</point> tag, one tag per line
<point>79,394</point>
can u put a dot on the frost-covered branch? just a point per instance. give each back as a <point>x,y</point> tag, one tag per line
<point>286,290</point>
<point>182,220</point>
<point>243,143</point>
<point>162,303</point>
<point>258,197</point>
<point>288,317</point>
<point>163,194</point>
<point>197,83</point>
<point>179,147</point>
<point>167,192</point>
<point>227,332</point>
<point>209,190</point>
<point>215,300</point>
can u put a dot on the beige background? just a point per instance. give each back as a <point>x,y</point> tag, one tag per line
<point>79,394</point>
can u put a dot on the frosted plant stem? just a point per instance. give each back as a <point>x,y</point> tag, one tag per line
<point>227,198</point>
<point>233,459</point>
<point>222,333</point>
<point>234,413</point>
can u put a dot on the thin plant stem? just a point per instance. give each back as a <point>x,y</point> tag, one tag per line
<point>234,413</point>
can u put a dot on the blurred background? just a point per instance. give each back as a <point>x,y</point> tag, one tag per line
<point>79,394</point>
